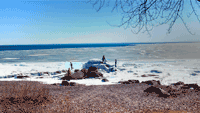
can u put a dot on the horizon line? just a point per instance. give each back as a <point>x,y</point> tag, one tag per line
<point>108,43</point>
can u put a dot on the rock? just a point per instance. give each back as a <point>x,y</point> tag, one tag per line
<point>93,72</point>
<point>174,90</point>
<point>152,75</point>
<point>155,71</point>
<point>171,89</point>
<point>45,72</point>
<point>124,82</point>
<point>65,83</point>
<point>23,77</point>
<point>188,86</point>
<point>160,92</point>
<point>58,72</point>
<point>133,81</point>
<point>152,82</point>
<point>64,71</point>
<point>76,70</point>
<point>67,75</point>
<point>178,83</point>
<point>56,84</point>
<point>66,78</point>
<point>144,76</point>
<point>129,82</point>
<point>104,80</point>
<point>84,71</point>
<point>78,75</point>
<point>72,84</point>
<point>91,69</point>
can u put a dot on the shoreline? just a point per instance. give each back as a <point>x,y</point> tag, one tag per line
<point>186,70</point>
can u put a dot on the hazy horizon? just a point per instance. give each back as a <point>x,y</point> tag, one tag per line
<point>105,43</point>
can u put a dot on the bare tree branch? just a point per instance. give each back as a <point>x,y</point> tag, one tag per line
<point>143,15</point>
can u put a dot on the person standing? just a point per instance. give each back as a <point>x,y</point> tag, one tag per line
<point>115,62</point>
<point>103,59</point>
<point>71,65</point>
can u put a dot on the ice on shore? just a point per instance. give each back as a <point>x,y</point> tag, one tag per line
<point>167,71</point>
<point>99,65</point>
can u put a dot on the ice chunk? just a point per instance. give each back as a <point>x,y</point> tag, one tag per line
<point>98,64</point>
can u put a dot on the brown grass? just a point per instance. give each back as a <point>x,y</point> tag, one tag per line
<point>34,97</point>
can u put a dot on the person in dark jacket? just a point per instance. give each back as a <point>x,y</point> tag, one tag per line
<point>115,62</point>
<point>71,65</point>
<point>103,59</point>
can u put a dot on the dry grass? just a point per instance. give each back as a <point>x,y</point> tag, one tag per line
<point>34,97</point>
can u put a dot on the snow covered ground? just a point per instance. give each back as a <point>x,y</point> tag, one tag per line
<point>167,71</point>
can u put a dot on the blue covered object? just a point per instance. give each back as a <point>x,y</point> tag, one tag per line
<point>193,74</point>
<point>155,71</point>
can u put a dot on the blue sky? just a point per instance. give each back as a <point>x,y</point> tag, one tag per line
<point>67,21</point>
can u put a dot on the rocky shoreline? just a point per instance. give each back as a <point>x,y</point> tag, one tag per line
<point>124,96</point>
<point>127,96</point>
<point>133,97</point>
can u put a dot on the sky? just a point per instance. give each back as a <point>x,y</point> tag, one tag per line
<point>75,21</point>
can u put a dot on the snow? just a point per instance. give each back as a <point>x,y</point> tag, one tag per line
<point>168,71</point>
<point>102,66</point>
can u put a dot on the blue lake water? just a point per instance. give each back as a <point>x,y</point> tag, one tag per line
<point>84,52</point>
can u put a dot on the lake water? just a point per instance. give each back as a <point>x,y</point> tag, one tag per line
<point>121,53</point>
